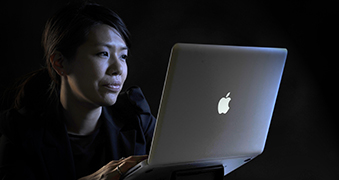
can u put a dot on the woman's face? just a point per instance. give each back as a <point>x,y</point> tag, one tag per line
<point>98,71</point>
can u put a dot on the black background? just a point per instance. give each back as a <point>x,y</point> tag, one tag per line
<point>302,142</point>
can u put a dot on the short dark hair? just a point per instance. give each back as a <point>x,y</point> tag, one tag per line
<point>68,29</point>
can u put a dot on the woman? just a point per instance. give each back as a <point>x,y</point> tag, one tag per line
<point>70,120</point>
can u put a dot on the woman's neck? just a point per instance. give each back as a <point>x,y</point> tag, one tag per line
<point>81,118</point>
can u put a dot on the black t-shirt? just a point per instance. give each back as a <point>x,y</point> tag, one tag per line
<point>89,152</point>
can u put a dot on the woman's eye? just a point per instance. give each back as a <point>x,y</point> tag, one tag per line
<point>103,54</point>
<point>124,57</point>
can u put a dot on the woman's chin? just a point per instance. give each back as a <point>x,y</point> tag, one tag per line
<point>109,100</point>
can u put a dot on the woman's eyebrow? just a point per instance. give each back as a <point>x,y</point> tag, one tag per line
<point>124,48</point>
<point>110,46</point>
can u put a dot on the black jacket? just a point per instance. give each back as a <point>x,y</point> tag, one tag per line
<point>35,145</point>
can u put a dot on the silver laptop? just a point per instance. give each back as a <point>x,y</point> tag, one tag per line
<point>215,110</point>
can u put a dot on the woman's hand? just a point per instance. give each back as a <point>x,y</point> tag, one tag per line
<point>111,170</point>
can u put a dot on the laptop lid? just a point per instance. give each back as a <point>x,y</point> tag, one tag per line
<point>217,103</point>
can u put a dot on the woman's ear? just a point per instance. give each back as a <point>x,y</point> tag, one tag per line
<point>57,61</point>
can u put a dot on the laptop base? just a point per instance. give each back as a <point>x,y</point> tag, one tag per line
<point>179,172</point>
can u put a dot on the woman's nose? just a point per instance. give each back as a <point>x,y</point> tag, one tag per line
<point>116,67</point>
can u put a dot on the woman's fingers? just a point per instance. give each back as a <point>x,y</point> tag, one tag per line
<point>135,158</point>
<point>111,171</point>
<point>129,162</point>
<point>125,166</point>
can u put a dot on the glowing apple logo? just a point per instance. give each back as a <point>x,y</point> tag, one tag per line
<point>223,105</point>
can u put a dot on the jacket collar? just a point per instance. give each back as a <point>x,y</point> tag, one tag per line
<point>122,139</point>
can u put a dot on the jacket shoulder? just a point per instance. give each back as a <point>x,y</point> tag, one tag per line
<point>132,100</point>
<point>132,105</point>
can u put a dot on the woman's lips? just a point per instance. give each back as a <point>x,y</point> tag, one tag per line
<point>115,87</point>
